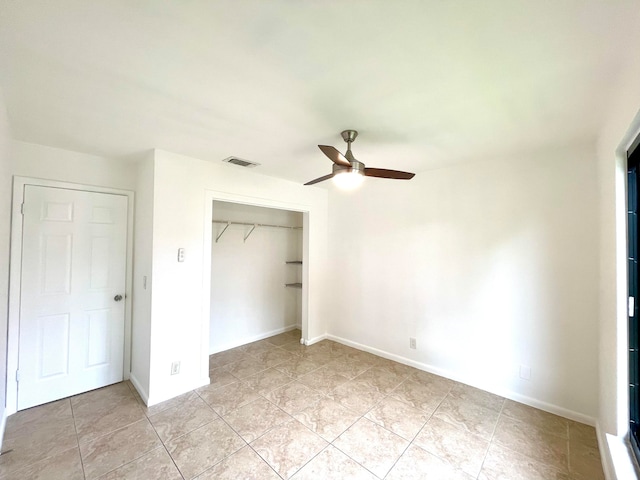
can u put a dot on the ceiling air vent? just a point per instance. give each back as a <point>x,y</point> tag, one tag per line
<point>240,162</point>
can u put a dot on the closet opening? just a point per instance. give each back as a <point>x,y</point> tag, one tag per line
<point>257,270</point>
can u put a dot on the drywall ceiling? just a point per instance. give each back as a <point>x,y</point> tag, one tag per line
<point>426,83</point>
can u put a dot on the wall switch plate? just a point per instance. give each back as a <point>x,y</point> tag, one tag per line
<point>525,372</point>
<point>175,368</point>
<point>181,254</point>
<point>412,343</point>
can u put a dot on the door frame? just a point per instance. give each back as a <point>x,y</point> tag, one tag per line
<point>15,276</point>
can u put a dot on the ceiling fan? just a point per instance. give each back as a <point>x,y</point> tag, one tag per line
<point>349,172</point>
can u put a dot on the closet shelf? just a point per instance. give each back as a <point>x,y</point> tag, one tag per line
<point>293,285</point>
<point>227,223</point>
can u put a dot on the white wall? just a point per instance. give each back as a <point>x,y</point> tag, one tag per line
<point>39,161</point>
<point>181,295</point>
<point>489,265</point>
<point>248,297</point>
<point>5,235</point>
<point>142,268</point>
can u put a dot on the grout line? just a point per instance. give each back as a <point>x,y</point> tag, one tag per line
<point>75,427</point>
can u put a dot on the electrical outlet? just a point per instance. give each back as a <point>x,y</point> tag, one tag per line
<point>525,372</point>
<point>412,343</point>
<point>181,254</point>
<point>175,368</point>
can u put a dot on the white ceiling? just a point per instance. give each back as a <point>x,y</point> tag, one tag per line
<point>426,83</point>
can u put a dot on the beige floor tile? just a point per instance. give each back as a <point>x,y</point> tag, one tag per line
<point>581,433</point>
<point>358,397</point>
<point>533,441</point>
<point>245,464</point>
<point>118,448</point>
<point>543,420</point>
<point>350,368</point>
<point>255,418</point>
<point>372,446</point>
<point>268,380</point>
<point>293,397</point>
<point>156,464</point>
<point>281,339</point>
<point>37,444</point>
<point>227,357</point>
<point>384,380</point>
<point>109,418</point>
<point>256,348</point>
<point>468,415</point>
<point>219,377</point>
<point>332,464</point>
<point>324,379</point>
<point>458,447</point>
<point>400,418</point>
<point>274,357</point>
<point>202,448</point>
<point>327,418</point>
<point>99,412</point>
<point>182,418</point>
<point>297,366</point>
<point>288,447</point>
<point>394,367</point>
<point>296,348</point>
<point>226,399</point>
<point>479,397</point>
<point>426,397</point>
<point>97,398</point>
<point>418,464</point>
<point>246,367</point>
<point>174,402</point>
<point>431,380</point>
<point>64,466</point>
<point>505,464</point>
<point>585,461</point>
<point>28,421</point>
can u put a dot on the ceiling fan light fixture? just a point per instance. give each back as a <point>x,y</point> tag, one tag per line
<point>348,180</point>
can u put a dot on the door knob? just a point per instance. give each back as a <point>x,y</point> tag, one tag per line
<point>117,298</point>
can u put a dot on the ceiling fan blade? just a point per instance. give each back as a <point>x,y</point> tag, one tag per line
<point>384,173</point>
<point>334,155</point>
<point>321,179</point>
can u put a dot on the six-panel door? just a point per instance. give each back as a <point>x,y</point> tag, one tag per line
<point>73,267</point>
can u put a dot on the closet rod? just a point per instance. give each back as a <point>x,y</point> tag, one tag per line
<point>254,225</point>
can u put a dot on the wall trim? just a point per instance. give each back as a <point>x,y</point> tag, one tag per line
<point>13,327</point>
<point>3,426</point>
<point>138,386</point>
<point>532,402</point>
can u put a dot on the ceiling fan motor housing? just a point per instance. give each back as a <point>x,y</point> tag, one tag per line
<point>356,166</point>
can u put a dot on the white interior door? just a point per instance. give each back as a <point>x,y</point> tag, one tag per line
<point>73,270</point>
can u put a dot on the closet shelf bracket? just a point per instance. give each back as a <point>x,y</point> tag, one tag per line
<point>222,232</point>
<point>250,232</point>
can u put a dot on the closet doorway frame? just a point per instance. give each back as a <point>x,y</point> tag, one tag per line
<point>214,195</point>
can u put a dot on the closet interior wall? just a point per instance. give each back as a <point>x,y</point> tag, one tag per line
<point>249,300</point>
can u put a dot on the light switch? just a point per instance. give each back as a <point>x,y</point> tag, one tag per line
<point>181,254</point>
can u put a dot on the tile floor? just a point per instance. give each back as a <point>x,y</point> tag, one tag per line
<point>277,409</point>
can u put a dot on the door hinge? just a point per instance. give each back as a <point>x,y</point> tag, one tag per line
<point>632,307</point>
<point>17,375</point>
<point>22,208</point>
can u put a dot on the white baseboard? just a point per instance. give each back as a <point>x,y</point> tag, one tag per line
<point>532,402</point>
<point>317,339</point>
<point>3,426</point>
<point>141,391</point>
<point>253,338</point>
